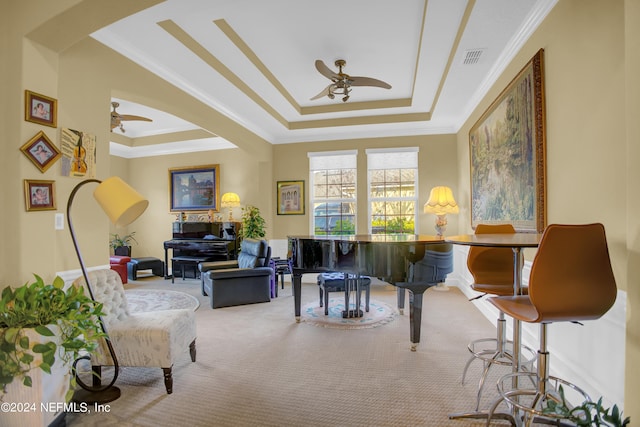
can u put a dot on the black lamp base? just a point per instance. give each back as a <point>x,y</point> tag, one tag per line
<point>96,397</point>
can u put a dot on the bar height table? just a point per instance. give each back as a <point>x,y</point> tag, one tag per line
<point>517,242</point>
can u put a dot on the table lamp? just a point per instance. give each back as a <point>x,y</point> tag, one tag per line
<point>123,205</point>
<point>441,203</point>
<point>230,200</point>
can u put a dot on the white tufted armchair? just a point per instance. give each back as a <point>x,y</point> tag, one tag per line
<point>149,339</point>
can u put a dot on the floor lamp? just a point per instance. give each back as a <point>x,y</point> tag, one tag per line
<point>123,205</point>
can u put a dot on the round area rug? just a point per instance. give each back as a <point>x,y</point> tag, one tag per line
<point>141,300</point>
<point>379,314</point>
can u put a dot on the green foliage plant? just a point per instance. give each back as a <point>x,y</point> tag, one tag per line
<point>118,241</point>
<point>40,307</point>
<point>587,414</point>
<point>253,225</point>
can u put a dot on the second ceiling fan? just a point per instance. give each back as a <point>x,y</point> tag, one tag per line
<point>117,118</point>
<point>341,83</point>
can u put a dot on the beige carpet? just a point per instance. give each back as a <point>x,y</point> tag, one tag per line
<point>257,367</point>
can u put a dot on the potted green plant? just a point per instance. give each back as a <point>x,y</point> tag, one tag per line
<point>587,414</point>
<point>121,245</point>
<point>253,225</point>
<point>43,327</point>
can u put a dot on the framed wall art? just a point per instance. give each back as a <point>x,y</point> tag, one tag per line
<point>39,195</point>
<point>507,154</point>
<point>290,197</point>
<point>195,188</point>
<point>41,151</point>
<point>78,150</point>
<point>40,109</point>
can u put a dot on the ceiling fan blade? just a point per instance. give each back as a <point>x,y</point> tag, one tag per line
<point>130,117</point>
<point>325,71</point>
<point>368,81</point>
<point>324,92</point>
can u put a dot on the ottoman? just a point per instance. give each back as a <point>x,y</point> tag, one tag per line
<point>119,265</point>
<point>146,263</point>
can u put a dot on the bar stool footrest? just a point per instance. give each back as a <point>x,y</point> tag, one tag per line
<point>503,356</point>
<point>530,401</point>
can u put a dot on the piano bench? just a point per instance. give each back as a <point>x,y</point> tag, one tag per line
<point>335,282</point>
<point>182,262</point>
<point>146,263</point>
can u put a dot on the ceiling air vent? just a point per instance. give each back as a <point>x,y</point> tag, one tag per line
<point>472,56</point>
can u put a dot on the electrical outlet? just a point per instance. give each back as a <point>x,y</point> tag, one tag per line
<point>59,221</point>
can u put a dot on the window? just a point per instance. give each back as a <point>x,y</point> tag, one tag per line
<point>333,192</point>
<point>393,192</point>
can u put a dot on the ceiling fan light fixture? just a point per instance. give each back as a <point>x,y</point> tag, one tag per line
<point>341,83</point>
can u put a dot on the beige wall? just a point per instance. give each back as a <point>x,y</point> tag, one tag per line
<point>591,148</point>
<point>632,126</point>
<point>436,161</point>
<point>591,61</point>
<point>239,173</point>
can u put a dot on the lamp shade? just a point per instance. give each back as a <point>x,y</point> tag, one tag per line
<point>441,202</point>
<point>119,201</point>
<point>230,200</point>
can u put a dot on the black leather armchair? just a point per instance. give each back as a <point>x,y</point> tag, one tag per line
<point>245,281</point>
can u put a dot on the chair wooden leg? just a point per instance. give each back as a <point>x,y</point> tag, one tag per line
<point>192,350</point>
<point>168,380</point>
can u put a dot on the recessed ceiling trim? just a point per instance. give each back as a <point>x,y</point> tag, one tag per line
<point>533,21</point>
<point>350,106</point>
<point>366,120</point>
<point>454,49</point>
<point>243,47</point>
<point>190,43</point>
<point>224,26</point>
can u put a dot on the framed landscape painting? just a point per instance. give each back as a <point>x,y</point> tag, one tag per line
<point>195,188</point>
<point>507,155</point>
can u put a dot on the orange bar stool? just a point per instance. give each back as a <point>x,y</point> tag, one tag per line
<point>492,271</point>
<point>571,281</point>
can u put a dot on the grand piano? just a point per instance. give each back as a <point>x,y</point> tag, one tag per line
<point>215,240</point>
<point>411,262</point>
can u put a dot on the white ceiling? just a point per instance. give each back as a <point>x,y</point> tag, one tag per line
<point>253,61</point>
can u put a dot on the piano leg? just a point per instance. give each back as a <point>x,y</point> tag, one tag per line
<point>296,289</point>
<point>400,292</point>
<point>416,292</point>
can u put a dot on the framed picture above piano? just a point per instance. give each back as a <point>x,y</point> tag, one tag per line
<point>194,188</point>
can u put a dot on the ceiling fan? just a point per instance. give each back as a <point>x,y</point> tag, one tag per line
<point>117,118</point>
<point>341,83</point>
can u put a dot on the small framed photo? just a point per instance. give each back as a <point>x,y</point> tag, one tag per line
<point>290,197</point>
<point>41,151</point>
<point>40,109</point>
<point>39,195</point>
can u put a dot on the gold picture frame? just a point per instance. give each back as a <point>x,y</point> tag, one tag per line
<point>194,189</point>
<point>39,195</point>
<point>40,109</point>
<point>41,151</point>
<point>507,155</point>
<point>291,197</point>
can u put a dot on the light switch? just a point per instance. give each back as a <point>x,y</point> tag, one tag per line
<point>59,221</point>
